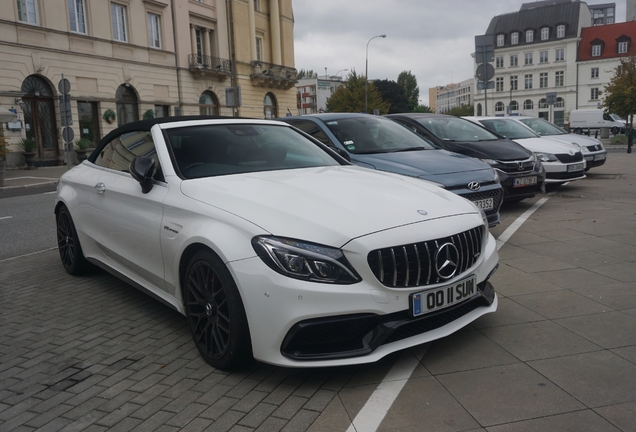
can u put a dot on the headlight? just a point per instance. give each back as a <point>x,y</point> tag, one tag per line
<point>305,261</point>
<point>546,157</point>
<point>497,179</point>
<point>583,148</point>
<point>491,162</point>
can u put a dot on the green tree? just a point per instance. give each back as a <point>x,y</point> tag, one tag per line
<point>620,94</point>
<point>393,93</point>
<point>350,96</point>
<point>423,109</point>
<point>309,73</point>
<point>462,111</point>
<point>408,82</point>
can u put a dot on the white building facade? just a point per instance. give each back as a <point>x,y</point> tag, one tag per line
<point>454,95</point>
<point>312,93</point>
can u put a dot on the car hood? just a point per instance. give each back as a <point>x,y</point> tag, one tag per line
<point>505,150</point>
<point>547,145</point>
<point>575,139</point>
<point>428,164</point>
<point>328,205</point>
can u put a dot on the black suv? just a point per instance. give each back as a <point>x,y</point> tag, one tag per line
<point>521,174</point>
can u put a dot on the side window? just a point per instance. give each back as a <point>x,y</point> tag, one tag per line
<point>312,129</point>
<point>118,153</point>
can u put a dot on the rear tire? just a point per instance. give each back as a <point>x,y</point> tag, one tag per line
<point>578,131</point>
<point>68,244</point>
<point>215,312</point>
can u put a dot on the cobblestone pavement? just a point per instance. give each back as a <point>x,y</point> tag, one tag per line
<point>92,353</point>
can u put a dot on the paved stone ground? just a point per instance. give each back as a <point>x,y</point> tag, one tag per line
<point>93,354</point>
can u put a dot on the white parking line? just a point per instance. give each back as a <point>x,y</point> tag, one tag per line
<point>6,217</point>
<point>376,408</point>
<point>505,236</point>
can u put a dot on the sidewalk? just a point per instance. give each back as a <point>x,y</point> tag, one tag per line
<point>19,178</point>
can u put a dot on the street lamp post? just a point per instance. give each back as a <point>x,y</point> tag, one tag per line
<point>341,70</point>
<point>366,75</point>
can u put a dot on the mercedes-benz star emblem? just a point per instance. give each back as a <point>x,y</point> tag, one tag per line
<point>446,260</point>
<point>473,185</point>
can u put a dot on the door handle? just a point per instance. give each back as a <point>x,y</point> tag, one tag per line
<point>100,187</point>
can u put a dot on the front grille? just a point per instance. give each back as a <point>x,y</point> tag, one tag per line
<point>495,194</point>
<point>596,147</point>
<point>568,158</point>
<point>416,264</point>
<point>517,167</point>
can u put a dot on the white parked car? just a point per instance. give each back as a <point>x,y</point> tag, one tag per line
<point>593,151</point>
<point>562,162</point>
<point>272,245</point>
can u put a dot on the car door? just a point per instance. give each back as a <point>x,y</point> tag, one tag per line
<point>126,222</point>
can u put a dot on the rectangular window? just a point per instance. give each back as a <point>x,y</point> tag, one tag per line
<point>257,6</point>
<point>154,31</point>
<point>559,79</point>
<point>514,82</point>
<point>529,36</point>
<point>514,60</point>
<point>514,38</point>
<point>543,56</point>
<point>499,62</point>
<point>162,111</point>
<point>499,84</point>
<point>528,81</point>
<point>528,58</point>
<point>622,47</point>
<point>118,16</point>
<point>596,50</point>
<point>259,49</point>
<point>561,31</point>
<point>594,94</point>
<point>559,54</point>
<point>76,16</point>
<point>594,73</point>
<point>545,33</point>
<point>500,40</point>
<point>27,11</point>
<point>543,79</point>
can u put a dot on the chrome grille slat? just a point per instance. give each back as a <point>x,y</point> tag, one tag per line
<point>403,266</point>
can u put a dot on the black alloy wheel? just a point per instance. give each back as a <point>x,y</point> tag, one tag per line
<point>68,244</point>
<point>215,312</point>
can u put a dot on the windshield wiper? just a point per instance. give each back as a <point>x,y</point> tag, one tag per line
<point>408,149</point>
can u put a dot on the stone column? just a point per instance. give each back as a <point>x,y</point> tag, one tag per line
<point>274,24</point>
<point>193,39</point>
<point>252,25</point>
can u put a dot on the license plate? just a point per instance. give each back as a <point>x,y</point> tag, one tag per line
<point>576,167</point>
<point>485,204</point>
<point>524,181</point>
<point>600,157</point>
<point>440,298</point>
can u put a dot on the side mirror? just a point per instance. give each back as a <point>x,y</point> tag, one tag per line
<point>142,168</point>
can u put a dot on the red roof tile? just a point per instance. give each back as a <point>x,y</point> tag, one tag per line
<point>608,33</point>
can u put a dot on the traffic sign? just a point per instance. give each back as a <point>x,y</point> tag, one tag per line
<point>64,86</point>
<point>68,134</point>
<point>485,72</point>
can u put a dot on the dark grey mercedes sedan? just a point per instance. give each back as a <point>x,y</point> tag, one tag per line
<point>382,144</point>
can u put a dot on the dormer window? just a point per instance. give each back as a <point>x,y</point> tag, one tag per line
<point>622,44</point>
<point>529,36</point>
<point>545,33</point>
<point>560,31</point>
<point>514,38</point>
<point>596,50</point>
<point>500,40</point>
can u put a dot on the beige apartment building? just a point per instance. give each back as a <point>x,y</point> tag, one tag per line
<point>131,59</point>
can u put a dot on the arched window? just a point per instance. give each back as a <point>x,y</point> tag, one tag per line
<point>39,116</point>
<point>479,110</point>
<point>269,106</point>
<point>528,105</point>
<point>127,109</point>
<point>499,106</point>
<point>209,104</point>
<point>514,106</point>
<point>560,103</point>
<point>543,103</point>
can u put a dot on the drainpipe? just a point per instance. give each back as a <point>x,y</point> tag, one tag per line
<point>176,55</point>
<point>230,17</point>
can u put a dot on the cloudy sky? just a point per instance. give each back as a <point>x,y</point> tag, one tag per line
<point>433,39</point>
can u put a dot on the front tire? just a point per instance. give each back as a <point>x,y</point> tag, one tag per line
<point>615,130</point>
<point>68,244</point>
<point>215,312</point>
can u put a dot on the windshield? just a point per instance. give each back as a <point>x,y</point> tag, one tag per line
<point>456,129</point>
<point>214,150</point>
<point>543,127</point>
<point>508,128</point>
<point>370,134</point>
<point>616,117</point>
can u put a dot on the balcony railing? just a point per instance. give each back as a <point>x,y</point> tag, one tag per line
<point>272,75</point>
<point>208,65</point>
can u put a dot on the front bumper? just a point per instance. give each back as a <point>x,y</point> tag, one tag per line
<point>557,172</point>
<point>278,306</point>
<point>513,193</point>
<point>595,159</point>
